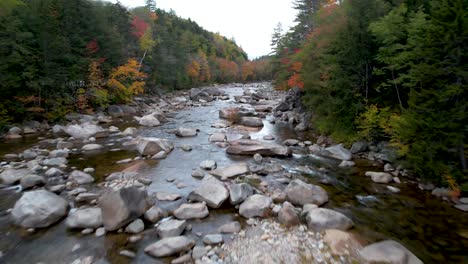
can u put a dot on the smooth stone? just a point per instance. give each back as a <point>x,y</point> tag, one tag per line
<point>287,215</point>
<point>191,211</point>
<point>163,196</point>
<point>84,218</point>
<point>231,171</point>
<point>38,209</point>
<point>171,228</point>
<point>211,191</point>
<point>31,181</point>
<point>255,205</point>
<point>127,253</point>
<point>81,177</point>
<point>208,164</point>
<point>154,214</point>
<point>239,192</point>
<point>135,227</point>
<point>319,219</point>
<point>379,177</point>
<point>198,173</point>
<point>91,147</point>
<point>169,246</point>
<point>12,176</point>
<point>341,242</point>
<point>388,251</point>
<point>251,147</point>
<point>300,193</point>
<point>186,132</point>
<point>217,137</point>
<point>213,239</point>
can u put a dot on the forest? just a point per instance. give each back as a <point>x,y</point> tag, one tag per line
<point>60,56</point>
<point>384,70</point>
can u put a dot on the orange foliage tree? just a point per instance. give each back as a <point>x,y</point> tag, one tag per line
<point>126,81</point>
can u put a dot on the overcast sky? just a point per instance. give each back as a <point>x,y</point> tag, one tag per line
<point>249,22</point>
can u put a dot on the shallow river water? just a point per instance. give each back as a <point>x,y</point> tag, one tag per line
<point>432,229</point>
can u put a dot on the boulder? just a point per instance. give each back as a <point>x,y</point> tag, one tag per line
<point>58,153</point>
<point>120,207</point>
<point>230,228</point>
<point>379,177</point>
<point>287,215</point>
<point>197,94</point>
<point>358,147</point>
<point>341,242</point>
<point>129,131</point>
<point>12,176</point>
<point>251,147</point>
<point>154,214</point>
<point>191,211</point>
<point>256,205</point>
<point>239,192</point>
<point>37,209</point>
<point>291,142</point>
<point>32,180</point>
<point>388,251</point>
<point>337,152</point>
<point>84,218</point>
<point>52,172</point>
<point>319,219</point>
<point>81,177</point>
<point>283,107</point>
<point>231,171</point>
<point>301,193</point>
<point>169,246</point>
<point>115,111</point>
<point>85,131</point>
<point>186,132</point>
<point>135,227</point>
<point>250,121</point>
<point>152,146</point>
<point>171,228</point>
<point>148,120</point>
<point>211,191</point>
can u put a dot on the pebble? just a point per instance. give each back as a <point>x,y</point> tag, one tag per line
<point>101,231</point>
<point>87,231</point>
<point>134,239</point>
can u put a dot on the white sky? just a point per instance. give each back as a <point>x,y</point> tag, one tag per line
<point>249,22</point>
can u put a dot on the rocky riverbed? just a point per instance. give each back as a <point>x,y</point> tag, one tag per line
<point>226,174</point>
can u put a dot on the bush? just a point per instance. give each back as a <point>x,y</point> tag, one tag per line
<point>374,123</point>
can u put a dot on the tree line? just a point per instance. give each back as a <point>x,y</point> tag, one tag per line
<point>384,70</point>
<point>60,56</point>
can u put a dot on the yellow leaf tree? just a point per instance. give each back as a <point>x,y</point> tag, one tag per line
<point>126,81</point>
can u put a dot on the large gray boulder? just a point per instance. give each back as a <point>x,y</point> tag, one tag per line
<point>84,218</point>
<point>186,132</point>
<point>191,211</point>
<point>256,205</point>
<point>85,131</point>
<point>239,192</point>
<point>358,147</point>
<point>171,228</point>
<point>388,251</point>
<point>231,171</point>
<point>120,207</point>
<point>197,94</point>
<point>337,152</point>
<point>250,121</point>
<point>300,193</point>
<point>151,146</point>
<point>12,176</point>
<point>37,209</point>
<point>81,177</point>
<point>148,120</point>
<point>380,177</point>
<point>319,219</point>
<point>169,246</point>
<point>211,191</point>
<point>252,147</point>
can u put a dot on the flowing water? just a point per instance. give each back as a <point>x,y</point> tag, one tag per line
<point>430,228</point>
